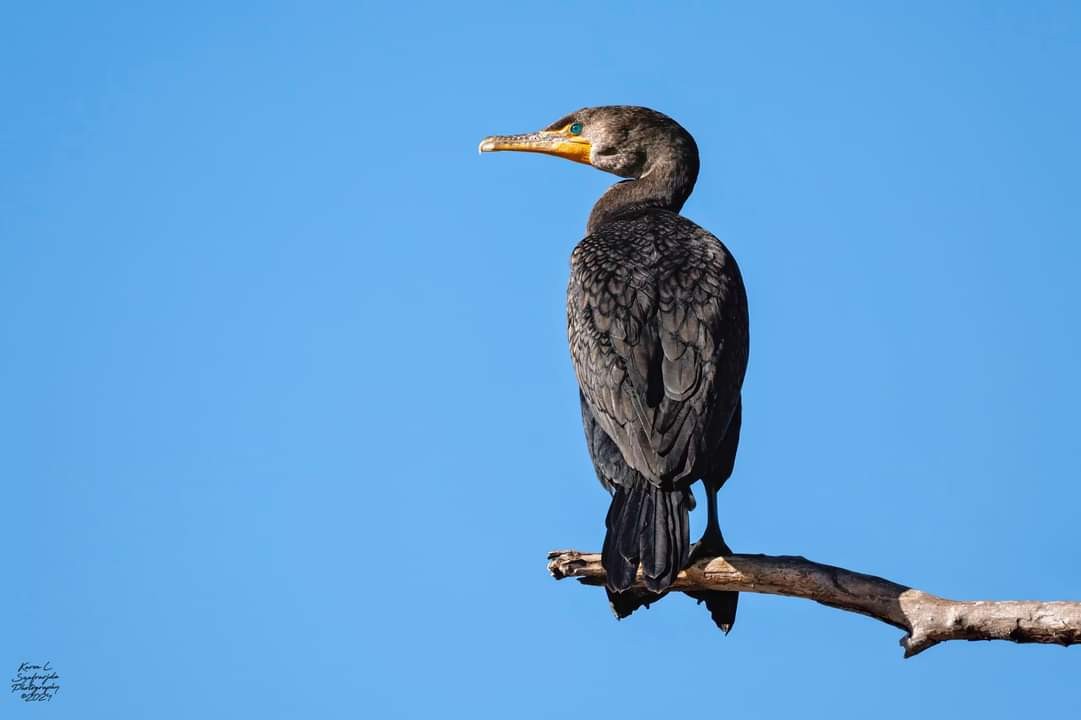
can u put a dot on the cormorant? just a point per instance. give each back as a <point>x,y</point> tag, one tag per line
<point>658,331</point>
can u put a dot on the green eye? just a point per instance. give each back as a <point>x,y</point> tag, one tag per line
<point>576,129</point>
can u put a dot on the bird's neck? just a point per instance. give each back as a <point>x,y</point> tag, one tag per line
<point>666,185</point>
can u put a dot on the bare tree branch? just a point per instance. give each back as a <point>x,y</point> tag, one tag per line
<point>928,619</point>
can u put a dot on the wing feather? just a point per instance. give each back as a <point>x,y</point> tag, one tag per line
<point>657,323</point>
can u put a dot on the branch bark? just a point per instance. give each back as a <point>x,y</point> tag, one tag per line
<point>927,619</point>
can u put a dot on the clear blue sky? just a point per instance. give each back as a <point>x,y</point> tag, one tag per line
<point>287,412</point>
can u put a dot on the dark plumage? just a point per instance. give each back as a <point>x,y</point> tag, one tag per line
<point>657,323</point>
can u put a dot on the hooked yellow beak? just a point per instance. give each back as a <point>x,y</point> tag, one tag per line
<point>550,142</point>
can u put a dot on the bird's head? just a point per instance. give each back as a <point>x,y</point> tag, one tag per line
<point>624,140</point>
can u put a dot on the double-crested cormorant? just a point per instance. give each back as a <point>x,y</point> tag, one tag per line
<point>657,323</point>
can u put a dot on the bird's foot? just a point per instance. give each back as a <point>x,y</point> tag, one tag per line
<point>711,545</point>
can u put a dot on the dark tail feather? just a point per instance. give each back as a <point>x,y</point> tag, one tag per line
<point>647,527</point>
<point>721,605</point>
<point>626,602</point>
